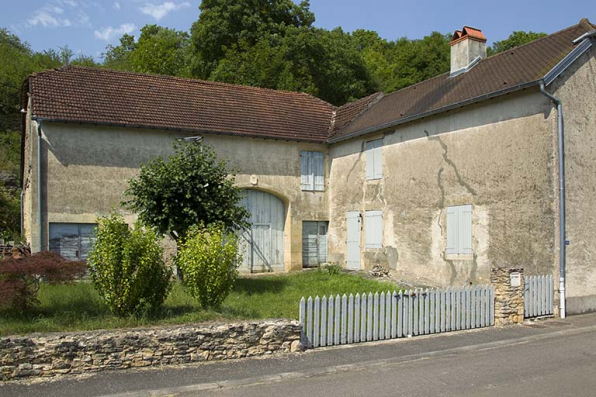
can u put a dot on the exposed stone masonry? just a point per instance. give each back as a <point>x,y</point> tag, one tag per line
<point>509,301</point>
<point>46,355</point>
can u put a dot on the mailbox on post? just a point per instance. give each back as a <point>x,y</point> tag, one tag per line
<point>515,279</point>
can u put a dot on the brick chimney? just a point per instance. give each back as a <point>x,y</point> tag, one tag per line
<point>468,46</point>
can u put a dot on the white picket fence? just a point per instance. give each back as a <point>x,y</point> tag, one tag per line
<point>352,319</point>
<point>538,296</point>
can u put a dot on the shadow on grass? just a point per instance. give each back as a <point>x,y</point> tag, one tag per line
<point>253,286</point>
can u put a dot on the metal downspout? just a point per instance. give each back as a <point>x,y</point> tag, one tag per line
<point>562,239</point>
<point>39,206</point>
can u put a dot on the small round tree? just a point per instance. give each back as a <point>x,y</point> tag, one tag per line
<point>189,188</point>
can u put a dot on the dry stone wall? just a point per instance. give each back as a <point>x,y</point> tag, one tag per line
<point>46,355</point>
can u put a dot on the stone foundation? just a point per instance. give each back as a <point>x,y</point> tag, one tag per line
<point>509,300</point>
<point>46,355</point>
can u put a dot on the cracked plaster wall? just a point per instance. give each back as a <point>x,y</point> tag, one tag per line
<point>497,156</point>
<point>577,89</point>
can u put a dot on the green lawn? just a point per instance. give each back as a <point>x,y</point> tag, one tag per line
<point>78,307</point>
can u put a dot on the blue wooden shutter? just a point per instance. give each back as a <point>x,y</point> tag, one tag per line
<point>378,159</point>
<point>374,159</point>
<point>306,175</point>
<point>374,229</point>
<point>370,160</point>
<point>318,167</point>
<point>465,229</point>
<point>452,230</point>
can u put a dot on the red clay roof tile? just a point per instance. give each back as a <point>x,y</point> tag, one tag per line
<point>101,96</point>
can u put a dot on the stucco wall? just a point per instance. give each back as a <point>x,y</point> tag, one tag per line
<point>498,157</point>
<point>577,89</point>
<point>86,169</point>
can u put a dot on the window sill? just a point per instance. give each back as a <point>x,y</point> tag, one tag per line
<point>459,257</point>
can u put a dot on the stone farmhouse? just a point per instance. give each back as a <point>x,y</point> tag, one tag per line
<point>439,182</point>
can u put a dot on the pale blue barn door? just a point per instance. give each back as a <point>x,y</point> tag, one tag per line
<point>263,242</point>
<point>353,240</point>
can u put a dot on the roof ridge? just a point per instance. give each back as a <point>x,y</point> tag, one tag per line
<point>186,79</point>
<point>540,39</point>
<point>581,23</point>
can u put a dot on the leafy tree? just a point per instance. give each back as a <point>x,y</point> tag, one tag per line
<point>324,63</point>
<point>224,24</point>
<point>397,64</point>
<point>127,267</point>
<point>186,189</point>
<point>159,50</point>
<point>209,258</point>
<point>10,214</point>
<point>119,57</point>
<point>516,39</point>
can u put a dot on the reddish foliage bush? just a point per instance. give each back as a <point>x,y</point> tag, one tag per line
<point>20,278</point>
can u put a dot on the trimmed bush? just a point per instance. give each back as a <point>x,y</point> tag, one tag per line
<point>127,267</point>
<point>20,278</point>
<point>209,258</point>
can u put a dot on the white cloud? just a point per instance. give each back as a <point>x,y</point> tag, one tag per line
<point>110,32</point>
<point>54,16</point>
<point>48,16</point>
<point>116,5</point>
<point>158,11</point>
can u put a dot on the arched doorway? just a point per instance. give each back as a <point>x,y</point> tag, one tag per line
<point>263,243</point>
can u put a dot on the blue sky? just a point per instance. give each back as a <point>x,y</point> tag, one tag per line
<point>87,26</point>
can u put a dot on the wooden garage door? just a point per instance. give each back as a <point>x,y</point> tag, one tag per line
<point>263,243</point>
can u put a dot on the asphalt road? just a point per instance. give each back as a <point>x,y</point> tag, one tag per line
<point>551,358</point>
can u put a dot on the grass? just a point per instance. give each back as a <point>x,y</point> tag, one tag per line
<point>78,307</point>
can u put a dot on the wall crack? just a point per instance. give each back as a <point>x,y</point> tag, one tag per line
<point>450,162</point>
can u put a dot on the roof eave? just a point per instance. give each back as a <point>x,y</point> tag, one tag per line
<point>569,59</point>
<point>433,112</point>
<point>187,130</point>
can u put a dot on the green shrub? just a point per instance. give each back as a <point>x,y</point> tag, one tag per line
<point>209,258</point>
<point>332,269</point>
<point>127,267</point>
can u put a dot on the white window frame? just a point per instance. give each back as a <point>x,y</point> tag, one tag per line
<point>374,159</point>
<point>373,229</point>
<point>459,240</point>
<point>312,171</point>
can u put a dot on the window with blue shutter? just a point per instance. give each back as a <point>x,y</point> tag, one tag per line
<point>373,226</point>
<point>312,170</point>
<point>374,159</point>
<point>459,230</point>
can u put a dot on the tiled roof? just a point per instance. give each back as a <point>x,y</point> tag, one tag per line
<point>507,70</point>
<point>349,111</point>
<point>88,95</point>
<point>101,96</point>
